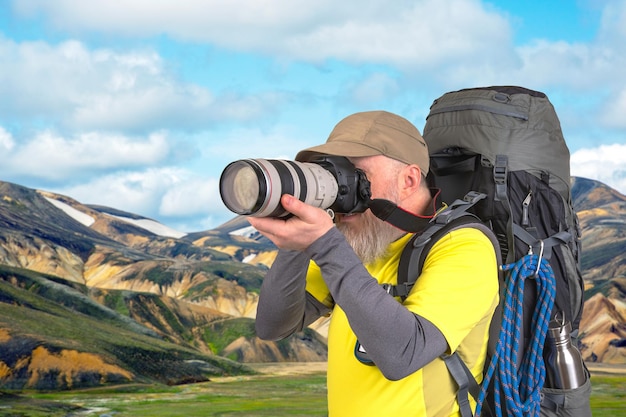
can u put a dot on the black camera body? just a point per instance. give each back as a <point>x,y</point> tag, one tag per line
<point>253,187</point>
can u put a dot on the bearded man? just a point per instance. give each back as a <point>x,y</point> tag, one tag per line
<point>384,354</point>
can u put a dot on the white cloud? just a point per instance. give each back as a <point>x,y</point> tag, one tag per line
<point>459,42</point>
<point>192,197</point>
<point>614,110</point>
<point>6,140</point>
<point>606,163</point>
<point>374,88</point>
<point>613,23</point>
<point>462,42</point>
<point>54,157</point>
<point>137,192</point>
<point>411,34</point>
<point>575,65</point>
<point>54,82</point>
<point>278,142</point>
<point>71,86</point>
<point>155,193</point>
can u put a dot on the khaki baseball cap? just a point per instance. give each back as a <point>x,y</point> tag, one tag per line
<point>374,133</point>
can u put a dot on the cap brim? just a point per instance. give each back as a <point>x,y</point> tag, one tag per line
<point>337,148</point>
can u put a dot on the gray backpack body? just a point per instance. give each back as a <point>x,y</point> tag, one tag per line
<point>507,143</point>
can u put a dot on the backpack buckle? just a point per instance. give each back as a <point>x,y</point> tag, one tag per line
<point>401,290</point>
<point>500,170</point>
<point>472,197</point>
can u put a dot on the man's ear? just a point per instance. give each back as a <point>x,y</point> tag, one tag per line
<point>410,180</point>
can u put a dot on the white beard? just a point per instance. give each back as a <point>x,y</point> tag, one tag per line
<point>370,238</point>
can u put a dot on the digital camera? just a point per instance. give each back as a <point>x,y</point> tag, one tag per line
<point>253,187</point>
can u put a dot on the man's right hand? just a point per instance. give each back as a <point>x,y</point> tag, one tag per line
<point>307,224</point>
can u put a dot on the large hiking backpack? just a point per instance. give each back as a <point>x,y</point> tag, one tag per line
<point>506,143</point>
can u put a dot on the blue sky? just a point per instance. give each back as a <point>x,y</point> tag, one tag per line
<point>140,104</point>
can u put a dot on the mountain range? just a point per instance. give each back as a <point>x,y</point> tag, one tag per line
<point>91,295</point>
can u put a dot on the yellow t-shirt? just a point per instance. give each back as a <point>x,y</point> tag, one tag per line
<point>457,291</point>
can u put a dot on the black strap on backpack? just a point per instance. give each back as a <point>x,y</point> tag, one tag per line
<point>465,381</point>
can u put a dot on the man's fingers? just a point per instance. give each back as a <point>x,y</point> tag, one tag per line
<point>303,211</point>
<point>297,232</point>
<point>292,204</point>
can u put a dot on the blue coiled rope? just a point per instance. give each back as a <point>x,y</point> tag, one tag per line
<point>521,389</point>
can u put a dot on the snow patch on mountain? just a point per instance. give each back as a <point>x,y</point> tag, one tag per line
<point>152,226</point>
<point>249,232</point>
<point>248,258</point>
<point>77,215</point>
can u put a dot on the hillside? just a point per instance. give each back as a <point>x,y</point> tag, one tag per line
<point>602,215</point>
<point>54,336</point>
<point>91,295</point>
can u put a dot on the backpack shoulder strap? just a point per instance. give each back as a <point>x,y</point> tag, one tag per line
<point>412,258</point>
<point>454,217</point>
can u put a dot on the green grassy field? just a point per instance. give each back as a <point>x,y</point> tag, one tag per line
<point>290,394</point>
<point>608,395</point>
<point>293,395</point>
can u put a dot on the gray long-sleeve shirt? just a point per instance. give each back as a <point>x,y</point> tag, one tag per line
<point>397,340</point>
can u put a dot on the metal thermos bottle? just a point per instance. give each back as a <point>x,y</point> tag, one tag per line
<point>564,364</point>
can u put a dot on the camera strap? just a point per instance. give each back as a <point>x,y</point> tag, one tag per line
<point>409,222</point>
